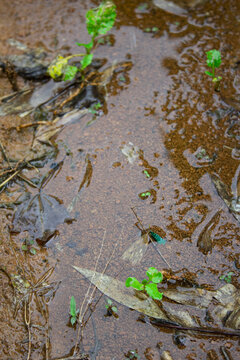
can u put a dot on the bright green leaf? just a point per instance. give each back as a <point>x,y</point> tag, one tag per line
<point>73,311</point>
<point>70,72</point>
<point>101,19</point>
<point>152,291</point>
<point>145,194</point>
<point>146,173</point>
<point>88,46</point>
<point>208,73</point>
<point>86,60</point>
<point>134,283</point>
<point>24,247</point>
<point>114,308</point>
<point>154,275</point>
<point>214,58</point>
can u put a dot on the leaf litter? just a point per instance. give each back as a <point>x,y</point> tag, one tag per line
<point>223,303</point>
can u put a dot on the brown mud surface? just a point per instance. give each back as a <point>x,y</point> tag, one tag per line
<point>185,135</point>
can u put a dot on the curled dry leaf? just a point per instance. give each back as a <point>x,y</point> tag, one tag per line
<point>205,242</point>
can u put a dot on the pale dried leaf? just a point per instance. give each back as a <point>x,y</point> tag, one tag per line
<point>194,297</point>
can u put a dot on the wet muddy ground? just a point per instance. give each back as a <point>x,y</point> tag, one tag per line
<point>163,142</point>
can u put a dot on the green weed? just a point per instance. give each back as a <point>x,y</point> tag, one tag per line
<point>111,309</point>
<point>98,22</point>
<point>227,278</point>
<point>94,108</point>
<point>214,61</point>
<point>73,311</point>
<point>149,286</point>
<point>27,246</point>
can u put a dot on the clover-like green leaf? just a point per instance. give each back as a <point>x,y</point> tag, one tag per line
<point>154,275</point>
<point>152,291</point>
<point>214,58</point>
<point>134,283</point>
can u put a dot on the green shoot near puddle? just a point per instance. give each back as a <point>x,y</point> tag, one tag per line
<point>73,311</point>
<point>227,278</point>
<point>150,285</point>
<point>98,22</point>
<point>214,61</point>
<point>111,309</point>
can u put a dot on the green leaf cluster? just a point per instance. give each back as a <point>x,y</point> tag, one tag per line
<point>101,19</point>
<point>213,61</point>
<point>28,246</point>
<point>150,285</point>
<point>73,311</point>
<point>98,22</point>
<point>227,278</point>
<point>110,307</point>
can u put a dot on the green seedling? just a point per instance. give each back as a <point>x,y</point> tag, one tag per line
<point>27,246</point>
<point>149,286</point>
<point>145,194</point>
<point>132,355</point>
<point>146,173</point>
<point>227,278</point>
<point>73,311</point>
<point>214,61</point>
<point>98,22</point>
<point>151,30</point>
<point>94,108</point>
<point>111,309</point>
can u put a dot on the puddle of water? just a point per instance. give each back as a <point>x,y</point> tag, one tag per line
<point>183,132</point>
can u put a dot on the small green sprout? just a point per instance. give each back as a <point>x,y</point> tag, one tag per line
<point>93,109</point>
<point>227,278</point>
<point>214,61</point>
<point>132,355</point>
<point>27,246</point>
<point>145,194</point>
<point>146,173</point>
<point>98,22</point>
<point>149,286</point>
<point>111,310</point>
<point>73,311</point>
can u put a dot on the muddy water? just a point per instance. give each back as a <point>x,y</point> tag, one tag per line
<point>183,131</point>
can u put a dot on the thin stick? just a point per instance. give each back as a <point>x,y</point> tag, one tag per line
<point>80,318</point>
<point>95,287</point>
<point>198,329</point>
<point>23,126</point>
<point>8,179</point>
<point>4,154</point>
<point>29,182</point>
<point>27,318</point>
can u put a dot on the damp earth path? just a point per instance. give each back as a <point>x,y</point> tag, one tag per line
<point>164,133</point>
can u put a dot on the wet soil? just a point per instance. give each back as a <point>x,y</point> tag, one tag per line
<point>185,133</point>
